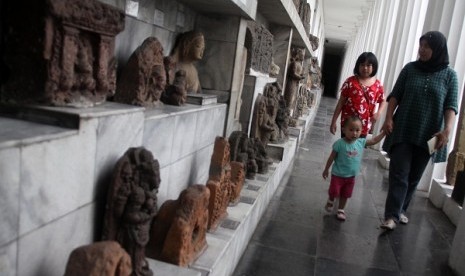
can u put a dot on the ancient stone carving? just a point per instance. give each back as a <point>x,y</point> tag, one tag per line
<point>294,76</point>
<point>63,56</point>
<point>243,151</point>
<point>263,125</point>
<point>282,120</point>
<point>237,181</point>
<point>261,156</point>
<point>132,204</point>
<point>105,258</point>
<point>260,46</point>
<point>219,182</point>
<point>178,232</point>
<point>315,73</point>
<point>314,41</point>
<point>455,163</point>
<point>305,16</point>
<point>188,49</point>
<point>143,79</point>
<point>274,69</point>
<point>175,93</point>
<point>301,102</point>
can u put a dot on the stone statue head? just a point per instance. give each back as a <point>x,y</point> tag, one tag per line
<point>190,46</point>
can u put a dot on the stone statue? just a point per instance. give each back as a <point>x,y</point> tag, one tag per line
<point>263,126</point>
<point>219,182</point>
<point>105,258</point>
<point>175,93</point>
<point>282,120</point>
<point>188,49</point>
<point>294,76</point>
<point>274,69</point>
<point>132,204</point>
<point>242,151</point>
<point>143,78</point>
<point>178,232</point>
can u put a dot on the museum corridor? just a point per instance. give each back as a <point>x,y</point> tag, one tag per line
<point>297,237</point>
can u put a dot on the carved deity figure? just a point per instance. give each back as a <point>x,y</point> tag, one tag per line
<point>263,126</point>
<point>143,78</point>
<point>282,120</point>
<point>294,76</point>
<point>132,204</point>
<point>176,88</point>
<point>243,151</point>
<point>188,49</point>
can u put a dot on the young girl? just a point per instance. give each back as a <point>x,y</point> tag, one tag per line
<point>347,156</point>
<point>360,95</point>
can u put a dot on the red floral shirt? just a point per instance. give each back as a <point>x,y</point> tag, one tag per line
<point>361,101</point>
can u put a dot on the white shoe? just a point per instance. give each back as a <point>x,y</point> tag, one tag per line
<point>388,224</point>
<point>403,219</point>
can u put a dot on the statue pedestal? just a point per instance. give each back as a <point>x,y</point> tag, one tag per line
<point>201,99</point>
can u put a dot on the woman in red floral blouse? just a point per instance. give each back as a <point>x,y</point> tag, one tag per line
<point>361,94</point>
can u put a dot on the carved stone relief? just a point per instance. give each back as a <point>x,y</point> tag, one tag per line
<point>132,204</point>
<point>65,56</point>
<point>219,182</point>
<point>259,43</point>
<point>106,258</point>
<point>143,78</point>
<point>237,181</point>
<point>243,151</point>
<point>178,232</point>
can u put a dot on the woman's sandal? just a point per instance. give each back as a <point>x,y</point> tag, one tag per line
<point>329,206</point>
<point>341,215</point>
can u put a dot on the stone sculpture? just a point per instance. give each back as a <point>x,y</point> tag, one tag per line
<point>294,76</point>
<point>237,181</point>
<point>63,54</point>
<point>175,93</point>
<point>178,232</point>
<point>188,49</point>
<point>263,127</point>
<point>242,151</point>
<point>282,119</point>
<point>132,204</point>
<point>259,43</point>
<point>105,258</point>
<point>143,79</point>
<point>219,182</point>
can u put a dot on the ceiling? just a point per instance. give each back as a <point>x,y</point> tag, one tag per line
<point>342,18</point>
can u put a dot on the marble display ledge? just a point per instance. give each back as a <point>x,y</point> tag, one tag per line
<point>227,243</point>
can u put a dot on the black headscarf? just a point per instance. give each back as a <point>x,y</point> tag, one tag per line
<point>440,57</point>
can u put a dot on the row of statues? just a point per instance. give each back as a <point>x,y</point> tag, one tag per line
<point>176,232</point>
<point>149,79</point>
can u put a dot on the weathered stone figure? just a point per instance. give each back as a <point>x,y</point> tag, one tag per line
<point>188,49</point>
<point>176,89</point>
<point>294,76</point>
<point>242,151</point>
<point>143,78</point>
<point>132,204</point>
<point>219,182</point>
<point>263,127</point>
<point>178,232</point>
<point>106,258</point>
<point>282,120</point>
<point>237,181</point>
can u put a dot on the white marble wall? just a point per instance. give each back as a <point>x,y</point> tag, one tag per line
<point>52,187</point>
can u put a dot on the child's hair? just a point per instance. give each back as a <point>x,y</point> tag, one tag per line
<point>367,57</point>
<point>352,119</point>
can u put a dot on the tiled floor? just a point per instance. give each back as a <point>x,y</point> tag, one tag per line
<point>297,237</point>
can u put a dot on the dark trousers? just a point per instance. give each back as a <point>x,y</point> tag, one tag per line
<point>406,166</point>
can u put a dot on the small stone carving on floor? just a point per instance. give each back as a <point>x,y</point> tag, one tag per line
<point>132,204</point>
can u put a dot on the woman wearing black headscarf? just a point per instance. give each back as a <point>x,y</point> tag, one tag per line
<point>422,105</point>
